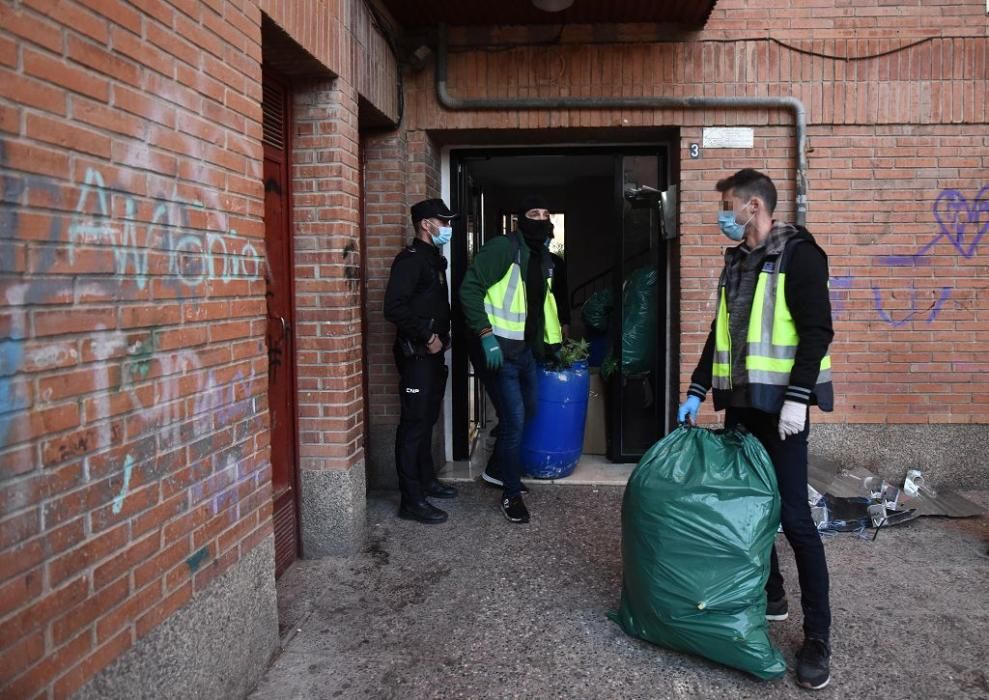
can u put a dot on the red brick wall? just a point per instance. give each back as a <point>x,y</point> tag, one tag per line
<point>133,440</point>
<point>897,158</point>
<point>342,36</point>
<point>134,462</point>
<point>388,229</point>
<point>325,190</point>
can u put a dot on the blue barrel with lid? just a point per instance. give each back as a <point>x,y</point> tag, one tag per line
<point>554,438</point>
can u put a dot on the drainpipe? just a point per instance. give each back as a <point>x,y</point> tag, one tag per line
<point>655,102</point>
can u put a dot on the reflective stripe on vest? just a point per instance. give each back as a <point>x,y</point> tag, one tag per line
<point>505,305</point>
<point>771,346</point>
<point>721,376</point>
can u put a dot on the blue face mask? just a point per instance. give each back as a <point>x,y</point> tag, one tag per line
<point>442,236</point>
<point>731,228</point>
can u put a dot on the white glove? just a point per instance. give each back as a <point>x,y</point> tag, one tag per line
<point>793,418</point>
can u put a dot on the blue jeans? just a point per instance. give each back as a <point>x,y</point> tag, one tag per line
<point>790,459</point>
<point>518,394</point>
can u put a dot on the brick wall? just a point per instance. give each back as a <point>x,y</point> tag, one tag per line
<point>325,188</point>
<point>134,447</point>
<point>133,436</point>
<point>388,229</point>
<point>341,35</point>
<point>898,156</point>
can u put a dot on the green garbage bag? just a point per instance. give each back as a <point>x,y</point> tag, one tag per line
<point>639,319</point>
<point>699,517</point>
<point>597,310</point>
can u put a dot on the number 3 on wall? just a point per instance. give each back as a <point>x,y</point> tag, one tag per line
<point>695,150</point>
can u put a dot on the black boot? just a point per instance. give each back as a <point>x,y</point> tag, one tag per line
<point>422,511</point>
<point>440,490</point>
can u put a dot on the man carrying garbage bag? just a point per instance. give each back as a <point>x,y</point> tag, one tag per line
<point>766,359</point>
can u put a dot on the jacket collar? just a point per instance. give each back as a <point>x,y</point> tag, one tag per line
<point>422,246</point>
<point>779,235</point>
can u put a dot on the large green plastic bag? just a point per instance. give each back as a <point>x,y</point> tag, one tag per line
<point>639,319</point>
<point>597,310</point>
<point>699,517</point>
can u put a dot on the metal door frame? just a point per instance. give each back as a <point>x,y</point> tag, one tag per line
<point>454,157</point>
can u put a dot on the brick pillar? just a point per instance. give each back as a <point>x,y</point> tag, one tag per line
<point>388,229</point>
<point>325,190</point>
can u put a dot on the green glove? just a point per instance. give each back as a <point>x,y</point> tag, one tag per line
<point>492,352</point>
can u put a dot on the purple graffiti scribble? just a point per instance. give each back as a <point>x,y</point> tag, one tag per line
<point>948,210</point>
<point>935,309</point>
<point>835,287</point>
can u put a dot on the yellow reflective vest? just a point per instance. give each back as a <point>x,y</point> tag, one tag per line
<point>771,345</point>
<point>506,305</point>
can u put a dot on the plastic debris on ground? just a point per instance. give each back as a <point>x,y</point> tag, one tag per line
<point>856,499</point>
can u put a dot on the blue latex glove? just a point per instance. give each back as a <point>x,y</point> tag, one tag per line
<point>492,352</point>
<point>688,409</point>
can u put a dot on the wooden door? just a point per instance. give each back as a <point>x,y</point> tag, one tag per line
<point>281,322</point>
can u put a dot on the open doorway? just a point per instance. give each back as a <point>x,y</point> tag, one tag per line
<point>614,211</point>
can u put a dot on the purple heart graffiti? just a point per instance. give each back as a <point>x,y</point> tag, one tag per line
<point>961,221</point>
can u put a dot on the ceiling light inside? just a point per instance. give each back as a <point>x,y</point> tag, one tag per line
<point>552,5</point>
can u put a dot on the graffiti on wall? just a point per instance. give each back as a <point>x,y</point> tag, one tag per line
<point>169,397</point>
<point>193,256</point>
<point>962,224</point>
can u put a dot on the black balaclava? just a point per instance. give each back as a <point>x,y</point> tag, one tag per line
<point>535,232</point>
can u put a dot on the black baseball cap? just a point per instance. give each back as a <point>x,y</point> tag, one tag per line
<point>431,209</point>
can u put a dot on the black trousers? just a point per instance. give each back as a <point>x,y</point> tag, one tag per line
<point>790,459</point>
<point>423,381</point>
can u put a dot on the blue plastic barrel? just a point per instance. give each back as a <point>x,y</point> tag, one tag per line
<point>553,439</point>
<point>599,348</point>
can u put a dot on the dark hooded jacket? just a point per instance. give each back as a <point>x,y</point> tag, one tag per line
<point>806,291</point>
<point>490,264</point>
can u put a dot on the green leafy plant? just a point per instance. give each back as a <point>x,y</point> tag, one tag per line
<point>570,352</point>
<point>609,367</point>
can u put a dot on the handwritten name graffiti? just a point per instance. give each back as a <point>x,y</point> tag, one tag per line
<point>193,256</point>
<point>149,399</point>
<point>962,224</point>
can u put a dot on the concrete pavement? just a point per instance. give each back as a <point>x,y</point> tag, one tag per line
<point>480,608</point>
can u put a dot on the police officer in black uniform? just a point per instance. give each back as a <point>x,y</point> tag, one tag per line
<point>417,302</point>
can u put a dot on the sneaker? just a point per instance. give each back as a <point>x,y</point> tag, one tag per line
<point>777,610</point>
<point>813,664</point>
<point>492,476</point>
<point>515,510</point>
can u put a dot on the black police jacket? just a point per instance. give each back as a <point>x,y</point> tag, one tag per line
<point>416,299</point>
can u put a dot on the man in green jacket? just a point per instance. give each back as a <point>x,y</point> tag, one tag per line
<point>507,300</point>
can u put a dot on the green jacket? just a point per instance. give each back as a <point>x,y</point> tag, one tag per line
<point>490,264</point>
